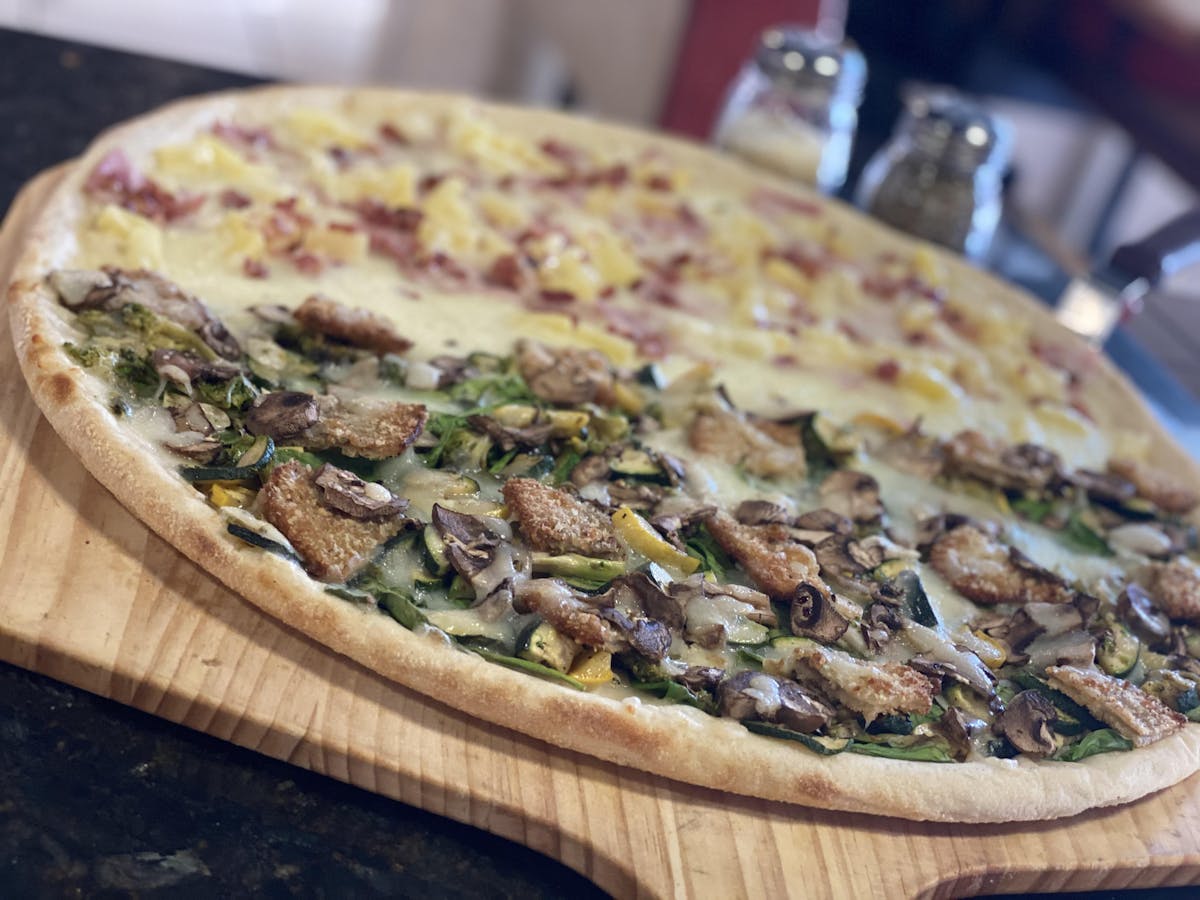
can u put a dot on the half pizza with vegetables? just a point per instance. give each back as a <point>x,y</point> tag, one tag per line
<point>615,533</point>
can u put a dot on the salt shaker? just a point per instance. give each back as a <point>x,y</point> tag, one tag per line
<point>793,108</point>
<point>940,177</point>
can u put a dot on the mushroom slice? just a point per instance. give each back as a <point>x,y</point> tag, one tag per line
<point>333,545</point>
<point>347,493</point>
<point>471,544</point>
<point>1104,487</point>
<point>770,698</point>
<point>913,453</point>
<point>758,604</point>
<point>814,616</point>
<point>1159,487</point>
<point>854,495</point>
<point>506,438</point>
<point>775,562</point>
<point>81,288</point>
<point>647,637</point>
<point>1025,467</point>
<point>1142,613</point>
<point>114,288</point>
<point>565,375</point>
<point>1028,722</point>
<point>759,449</point>
<point>957,729</point>
<point>557,522</point>
<point>871,688</point>
<point>1175,587</point>
<point>879,622</point>
<point>194,445</point>
<point>1075,648</point>
<point>193,366</point>
<point>984,570</point>
<point>841,555</point>
<point>638,590</point>
<point>701,678</point>
<point>1034,619</point>
<point>283,415</point>
<point>824,520</point>
<point>761,512</point>
<point>964,665</point>
<point>357,327</point>
<point>1135,714</point>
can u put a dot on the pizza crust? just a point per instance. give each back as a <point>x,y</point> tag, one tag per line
<point>672,741</point>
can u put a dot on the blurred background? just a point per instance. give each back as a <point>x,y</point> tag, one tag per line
<point>1102,96</point>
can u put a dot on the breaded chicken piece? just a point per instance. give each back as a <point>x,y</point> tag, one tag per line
<point>1174,587</point>
<point>1160,488</point>
<point>774,560</point>
<point>871,688</point>
<point>557,522</point>
<point>374,429</point>
<point>986,571</point>
<point>332,544</point>
<point>1137,715</point>
<point>761,450</point>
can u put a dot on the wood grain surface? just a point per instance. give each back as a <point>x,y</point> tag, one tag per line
<point>90,596</point>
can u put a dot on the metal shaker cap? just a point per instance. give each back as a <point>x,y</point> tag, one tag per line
<point>954,129</point>
<point>801,57</point>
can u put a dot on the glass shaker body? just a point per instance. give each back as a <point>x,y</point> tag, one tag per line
<point>940,177</point>
<point>793,108</point>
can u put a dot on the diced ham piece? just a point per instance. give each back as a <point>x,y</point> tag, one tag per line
<point>116,180</point>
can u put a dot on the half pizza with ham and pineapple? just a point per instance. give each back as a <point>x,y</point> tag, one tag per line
<point>605,438</point>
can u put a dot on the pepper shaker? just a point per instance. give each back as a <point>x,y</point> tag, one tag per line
<point>940,177</point>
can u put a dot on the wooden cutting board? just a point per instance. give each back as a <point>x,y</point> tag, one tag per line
<point>90,596</point>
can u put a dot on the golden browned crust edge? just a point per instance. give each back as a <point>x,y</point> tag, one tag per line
<point>671,741</point>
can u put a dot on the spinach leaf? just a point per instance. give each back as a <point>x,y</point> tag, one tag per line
<point>493,390</point>
<point>825,746</point>
<point>933,751</point>
<point>1082,537</point>
<point>676,693</point>
<point>564,465</point>
<point>525,665</point>
<point>1105,740</point>
<point>704,547</point>
<point>1031,508</point>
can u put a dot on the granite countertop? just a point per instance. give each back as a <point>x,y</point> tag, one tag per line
<point>102,800</point>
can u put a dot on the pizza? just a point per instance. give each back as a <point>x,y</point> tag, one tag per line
<point>603,437</point>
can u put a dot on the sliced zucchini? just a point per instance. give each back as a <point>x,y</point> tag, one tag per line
<point>1072,718</point>
<point>820,744</point>
<point>789,642</point>
<point>907,584</point>
<point>1118,650</point>
<point>889,569</point>
<point>543,644</point>
<point>651,375</point>
<point>634,463</point>
<point>258,457</point>
<point>433,549</point>
<point>258,454</point>
<point>574,565</point>
<point>958,694</point>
